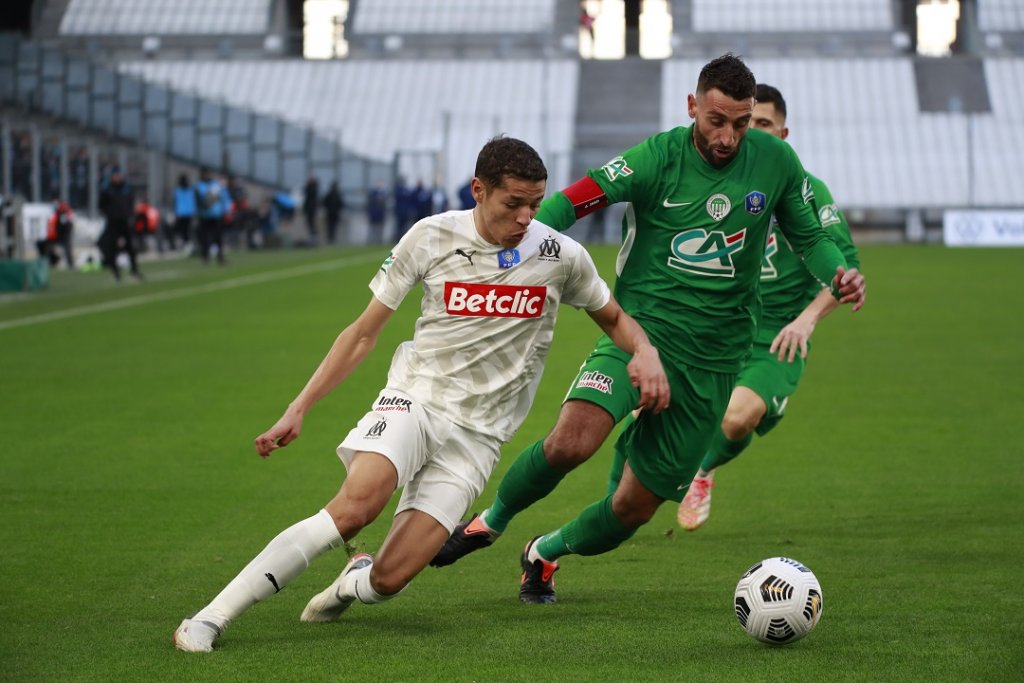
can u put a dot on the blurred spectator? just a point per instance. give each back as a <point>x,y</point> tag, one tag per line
<point>285,205</point>
<point>439,199</point>
<point>117,204</point>
<point>311,205</point>
<point>424,202</point>
<point>184,212</point>
<point>7,227</point>
<point>376,210</point>
<point>145,224</point>
<point>334,205</point>
<point>242,218</point>
<point>59,232</point>
<point>211,205</point>
<point>405,208</point>
<point>267,217</point>
<point>466,200</point>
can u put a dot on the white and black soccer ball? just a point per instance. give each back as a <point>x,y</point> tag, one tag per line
<point>778,601</point>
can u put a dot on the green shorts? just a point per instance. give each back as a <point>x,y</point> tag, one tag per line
<point>663,450</point>
<point>604,380</point>
<point>771,379</point>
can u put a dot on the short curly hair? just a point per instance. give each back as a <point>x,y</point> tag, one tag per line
<point>503,156</point>
<point>729,74</point>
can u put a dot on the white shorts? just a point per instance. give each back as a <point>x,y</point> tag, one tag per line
<point>443,466</point>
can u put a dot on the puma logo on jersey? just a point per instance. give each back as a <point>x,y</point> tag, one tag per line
<point>468,255</point>
<point>494,301</point>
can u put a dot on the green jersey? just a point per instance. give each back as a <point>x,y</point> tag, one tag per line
<point>694,239</point>
<point>786,285</point>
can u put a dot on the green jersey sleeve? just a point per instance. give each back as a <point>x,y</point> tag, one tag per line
<point>628,177</point>
<point>834,222</point>
<point>787,287</point>
<point>557,211</point>
<point>799,223</point>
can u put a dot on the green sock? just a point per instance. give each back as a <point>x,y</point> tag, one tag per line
<point>722,450</point>
<point>597,530</point>
<point>529,479</point>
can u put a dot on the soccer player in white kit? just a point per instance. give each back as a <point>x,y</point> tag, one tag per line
<point>492,282</point>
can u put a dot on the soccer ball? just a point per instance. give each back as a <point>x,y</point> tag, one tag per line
<point>778,601</point>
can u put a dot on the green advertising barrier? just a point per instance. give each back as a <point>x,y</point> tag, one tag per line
<point>24,276</point>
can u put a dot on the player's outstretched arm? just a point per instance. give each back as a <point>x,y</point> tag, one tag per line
<point>795,336</point>
<point>850,285</point>
<point>350,348</point>
<point>645,369</point>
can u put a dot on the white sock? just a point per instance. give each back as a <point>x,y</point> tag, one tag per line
<point>358,584</point>
<point>282,560</point>
<point>483,520</point>
<point>533,555</point>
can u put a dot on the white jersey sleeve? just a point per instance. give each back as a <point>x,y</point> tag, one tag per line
<point>584,287</point>
<point>404,267</point>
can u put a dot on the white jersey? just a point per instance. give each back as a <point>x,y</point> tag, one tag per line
<point>488,316</point>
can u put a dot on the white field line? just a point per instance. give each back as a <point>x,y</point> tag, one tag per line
<point>244,281</point>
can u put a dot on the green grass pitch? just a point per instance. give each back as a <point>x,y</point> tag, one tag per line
<point>130,492</point>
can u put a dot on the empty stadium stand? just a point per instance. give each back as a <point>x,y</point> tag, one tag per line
<point>383,109</point>
<point>856,123</point>
<point>426,82</point>
<point>787,27</point>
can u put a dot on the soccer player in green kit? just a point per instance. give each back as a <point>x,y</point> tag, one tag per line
<point>701,200</point>
<point>793,302</point>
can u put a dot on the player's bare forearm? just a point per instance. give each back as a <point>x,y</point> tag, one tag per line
<point>349,349</point>
<point>820,306</point>
<point>645,369</point>
<point>794,337</point>
<point>621,328</point>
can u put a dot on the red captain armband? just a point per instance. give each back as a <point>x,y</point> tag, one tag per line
<point>586,196</point>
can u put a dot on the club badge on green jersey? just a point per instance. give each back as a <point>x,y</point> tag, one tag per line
<point>706,253</point>
<point>718,206</point>
<point>616,168</point>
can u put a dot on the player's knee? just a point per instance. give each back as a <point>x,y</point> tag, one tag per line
<point>349,519</point>
<point>564,449</point>
<point>631,511</point>
<point>738,425</point>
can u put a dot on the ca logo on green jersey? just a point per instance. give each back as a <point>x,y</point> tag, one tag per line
<point>706,253</point>
<point>616,168</point>
<point>829,215</point>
